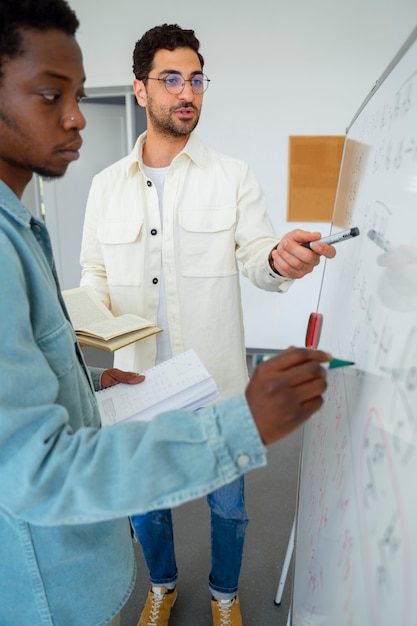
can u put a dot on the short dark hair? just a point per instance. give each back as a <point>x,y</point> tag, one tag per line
<point>41,15</point>
<point>164,37</point>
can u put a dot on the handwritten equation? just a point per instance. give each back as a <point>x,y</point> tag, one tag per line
<point>356,539</point>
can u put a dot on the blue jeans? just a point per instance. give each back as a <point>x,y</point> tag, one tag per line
<point>228,526</point>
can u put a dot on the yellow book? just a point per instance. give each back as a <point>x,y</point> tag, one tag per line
<point>97,327</point>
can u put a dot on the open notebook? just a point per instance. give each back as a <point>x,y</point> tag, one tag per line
<point>97,327</point>
<point>178,383</point>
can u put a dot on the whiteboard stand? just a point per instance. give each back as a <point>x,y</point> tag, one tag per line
<point>285,568</point>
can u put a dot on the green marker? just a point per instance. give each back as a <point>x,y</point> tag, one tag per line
<point>329,365</point>
<point>339,363</point>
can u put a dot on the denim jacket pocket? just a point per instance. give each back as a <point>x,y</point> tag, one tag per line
<point>59,350</point>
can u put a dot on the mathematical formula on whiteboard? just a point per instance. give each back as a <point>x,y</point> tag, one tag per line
<point>356,536</point>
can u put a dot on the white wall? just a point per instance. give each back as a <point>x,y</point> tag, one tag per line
<point>278,68</point>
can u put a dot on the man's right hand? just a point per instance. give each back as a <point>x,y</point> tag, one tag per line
<point>286,390</point>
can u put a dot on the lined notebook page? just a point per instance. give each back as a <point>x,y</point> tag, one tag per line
<point>178,383</point>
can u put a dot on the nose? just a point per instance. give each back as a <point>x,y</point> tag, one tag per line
<point>74,119</point>
<point>187,93</point>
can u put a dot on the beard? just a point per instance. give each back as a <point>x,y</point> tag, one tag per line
<point>164,123</point>
<point>47,173</point>
<point>42,169</point>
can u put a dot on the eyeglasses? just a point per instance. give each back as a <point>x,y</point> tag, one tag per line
<point>175,83</point>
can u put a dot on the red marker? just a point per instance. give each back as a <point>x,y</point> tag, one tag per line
<point>313,330</point>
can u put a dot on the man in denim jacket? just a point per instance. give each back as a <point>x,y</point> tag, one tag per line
<point>68,486</point>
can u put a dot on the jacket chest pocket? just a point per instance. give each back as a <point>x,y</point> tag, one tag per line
<point>123,249</point>
<point>207,242</point>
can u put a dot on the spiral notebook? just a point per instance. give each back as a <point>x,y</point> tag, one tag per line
<point>178,383</point>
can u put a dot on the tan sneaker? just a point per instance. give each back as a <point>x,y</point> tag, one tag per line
<point>226,612</point>
<point>158,605</point>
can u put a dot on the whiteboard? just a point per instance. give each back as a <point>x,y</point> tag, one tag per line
<point>356,531</point>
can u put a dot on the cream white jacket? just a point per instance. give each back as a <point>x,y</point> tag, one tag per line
<point>214,216</point>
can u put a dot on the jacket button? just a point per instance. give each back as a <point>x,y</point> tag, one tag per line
<point>149,183</point>
<point>154,231</point>
<point>155,281</point>
<point>243,460</point>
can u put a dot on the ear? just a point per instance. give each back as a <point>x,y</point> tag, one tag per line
<point>140,92</point>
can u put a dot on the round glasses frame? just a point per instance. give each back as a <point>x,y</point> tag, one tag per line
<point>175,83</point>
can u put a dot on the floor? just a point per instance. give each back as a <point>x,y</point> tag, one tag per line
<point>270,500</point>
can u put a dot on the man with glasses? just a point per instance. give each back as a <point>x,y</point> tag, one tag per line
<point>164,231</point>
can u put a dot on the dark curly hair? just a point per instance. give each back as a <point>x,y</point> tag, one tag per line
<point>41,15</point>
<point>166,37</point>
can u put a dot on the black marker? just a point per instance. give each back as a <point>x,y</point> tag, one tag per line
<point>335,238</point>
